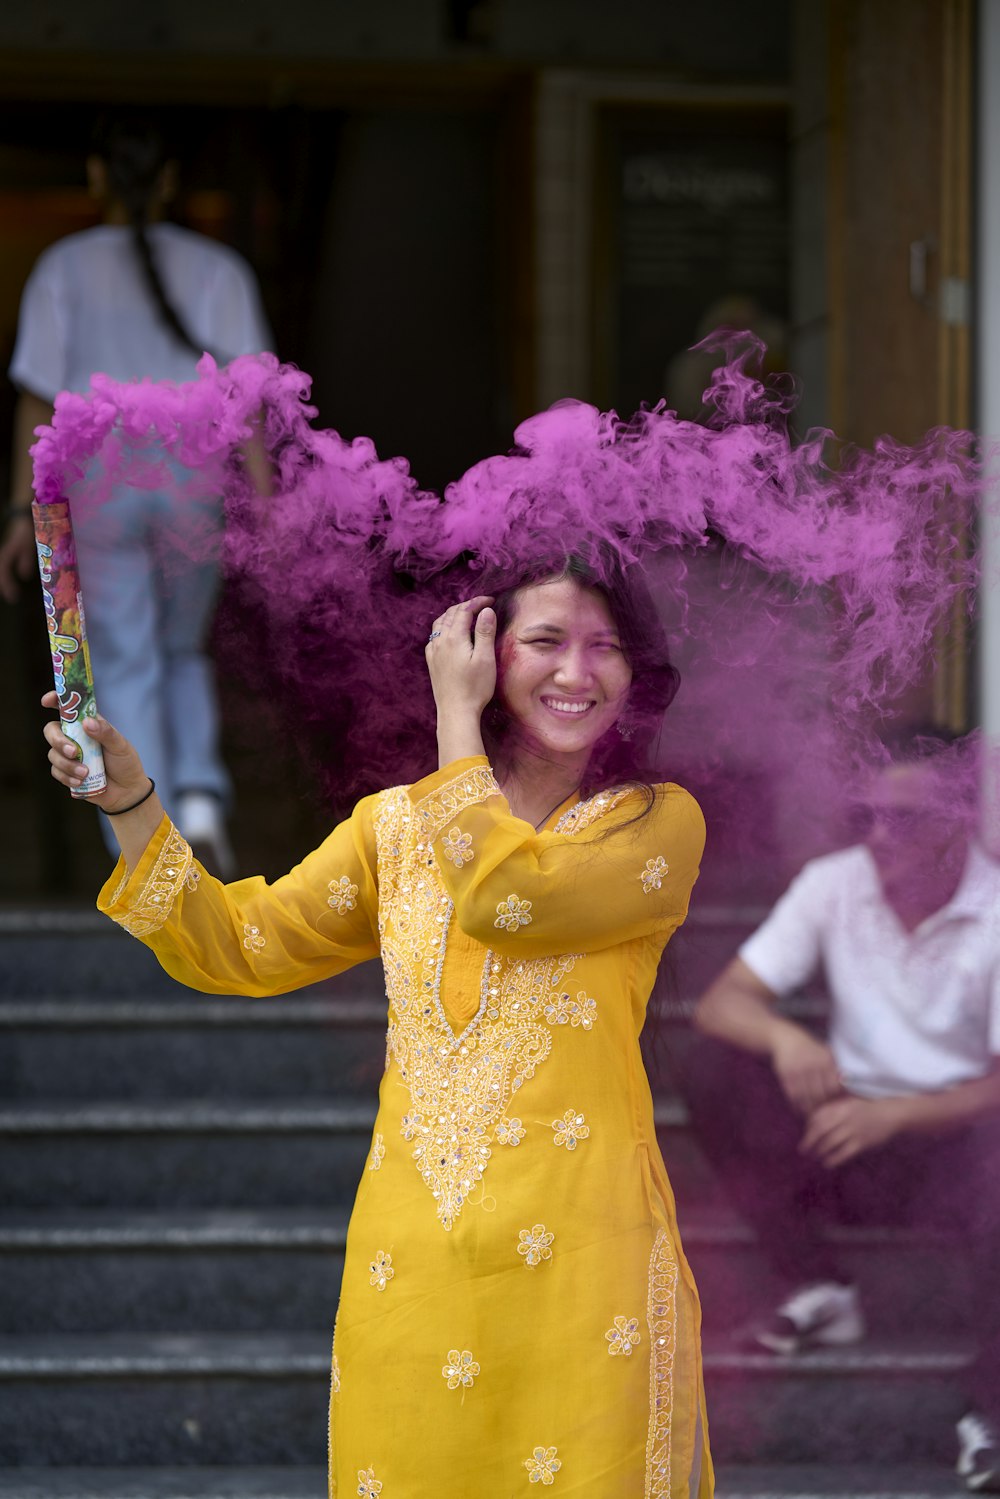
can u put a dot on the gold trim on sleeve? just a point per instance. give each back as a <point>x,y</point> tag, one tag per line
<point>151,907</point>
<point>441,807</point>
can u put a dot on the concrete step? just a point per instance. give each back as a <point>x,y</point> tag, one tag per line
<point>898,1398</point>
<point>871,1480</point>
<point>844,1481</point>
<point>105,1272</point>
<point>279,1270</point>
<point>191,1154</point>
<point>190,1046</point>
<point>160,1401</point>
<point>163,1483</point>
<point>208,1400</point>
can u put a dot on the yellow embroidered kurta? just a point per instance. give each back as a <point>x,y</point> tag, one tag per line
<point>516,1309</point>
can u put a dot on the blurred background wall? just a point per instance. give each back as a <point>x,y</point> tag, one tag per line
<point>461,210</point>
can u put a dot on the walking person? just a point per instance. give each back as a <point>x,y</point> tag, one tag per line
<point>138,297</point>
<point>516,1308</point>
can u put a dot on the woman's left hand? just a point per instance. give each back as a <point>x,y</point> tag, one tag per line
<point>461,659</point>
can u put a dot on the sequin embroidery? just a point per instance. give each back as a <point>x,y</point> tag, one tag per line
<point>661,1320</point>
<point>192,879</point>
<point>461,1369</point>
<point>562,1010</point>
<point>535,1244</point>
<point>434,811</point>
<point>369,1486</point>
<point>543,1465</point>
<point>155,900</point>
<point>569,1129</point>
<point>513,913</point>
<point>457,848</point>
<point>461,1086</point>
<point>343,895</point>
<point>381,1270</point>
<point>652,875</point>
<point>335,1376</point>
<point>624,1336</point>
<point>377,1154</point>
<point>253,940</point>
<point>510,1132</point>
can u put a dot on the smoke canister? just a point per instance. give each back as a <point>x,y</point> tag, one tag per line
<point>63,601</point>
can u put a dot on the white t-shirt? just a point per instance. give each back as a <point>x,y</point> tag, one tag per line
<point>86,309</point>
<point>911,1012</point>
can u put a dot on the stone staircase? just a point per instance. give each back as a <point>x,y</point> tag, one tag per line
<point>175,1179</point>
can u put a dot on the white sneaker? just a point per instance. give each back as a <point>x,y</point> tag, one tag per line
<point>978,1453</point>
<point>822,1315</point>
<point>199,819</point>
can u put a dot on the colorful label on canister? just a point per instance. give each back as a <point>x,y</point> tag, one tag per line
<point>63,601</point>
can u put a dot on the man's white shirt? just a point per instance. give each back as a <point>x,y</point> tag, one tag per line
<point>911,1012</point>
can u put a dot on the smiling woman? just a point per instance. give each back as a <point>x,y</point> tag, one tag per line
<point>511,1313</point>
<point>580,642</point>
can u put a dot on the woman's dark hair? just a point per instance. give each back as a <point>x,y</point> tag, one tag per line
<point>624,756</point>
<point>134,152</point>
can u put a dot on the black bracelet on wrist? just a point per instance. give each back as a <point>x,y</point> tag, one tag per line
<point>119,811</point>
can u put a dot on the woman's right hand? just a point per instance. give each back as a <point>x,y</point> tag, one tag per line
<point>127,781</point>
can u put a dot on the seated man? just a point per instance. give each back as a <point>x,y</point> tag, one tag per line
<point>899,1108</point>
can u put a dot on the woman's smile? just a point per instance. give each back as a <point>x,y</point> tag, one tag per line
<point>563,676</point>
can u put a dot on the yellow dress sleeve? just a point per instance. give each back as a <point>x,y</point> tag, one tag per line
<point>531,894</point>
<point>250,937</point>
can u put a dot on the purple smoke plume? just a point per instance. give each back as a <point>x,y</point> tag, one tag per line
<point>801,582</point>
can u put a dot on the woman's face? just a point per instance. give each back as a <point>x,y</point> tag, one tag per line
<point>562,674</point>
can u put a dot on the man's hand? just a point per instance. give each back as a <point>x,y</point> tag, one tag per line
<point>846,1127</point>
<point>805,1068</point>
<point>18,560</point>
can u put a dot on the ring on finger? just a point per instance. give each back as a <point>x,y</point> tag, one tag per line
<point>433,636</point>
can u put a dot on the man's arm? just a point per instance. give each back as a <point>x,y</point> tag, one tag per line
<point>17,550</point>
<point>847,1127</point>
<point>740,1008</point>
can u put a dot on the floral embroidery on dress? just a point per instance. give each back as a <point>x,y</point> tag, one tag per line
<point>369,1486</point>
<point>343,895</point>
<point>661,1319</point>
<point>513,913</point>
<point>378,1154</point>
<point>510,1132</point>
<point>461,1369</point>
<point>584,813</point>
<point>624,1336</point>
<point>381,1270</point>
<point>535,1244</point>
<point>461,1085</point>
<point>569,1129</point>
<point>192,879</point>
<point>150,907</point>
<point>543,1465</point>
<point>457,847</point>
<point>438,808</point>
<point>335,1376</point>
<point>582,1011</point>
<point>253,941</point>
<point>652,875</point>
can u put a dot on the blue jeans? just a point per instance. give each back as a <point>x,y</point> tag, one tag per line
<point>149,571</point>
